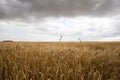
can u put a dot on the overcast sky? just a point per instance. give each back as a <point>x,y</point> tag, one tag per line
<point>46,20</point>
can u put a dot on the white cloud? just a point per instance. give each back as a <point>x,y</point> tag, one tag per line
<point>46,20</point>
<point>87,28</point>
<point>116,38</point>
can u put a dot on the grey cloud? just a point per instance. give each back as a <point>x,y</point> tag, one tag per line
<point>114,31</point>
<point>42,29</point>
<point>12,9</point>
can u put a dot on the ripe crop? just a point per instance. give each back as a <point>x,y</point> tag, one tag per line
<point>59,61</point>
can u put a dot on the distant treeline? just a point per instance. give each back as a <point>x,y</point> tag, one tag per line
<point>7,41</point>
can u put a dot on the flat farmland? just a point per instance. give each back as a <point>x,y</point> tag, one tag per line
<point>59,61</point>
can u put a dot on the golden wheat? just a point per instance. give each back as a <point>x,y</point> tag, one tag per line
<point>59,61</point>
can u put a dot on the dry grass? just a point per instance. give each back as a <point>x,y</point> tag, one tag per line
<point>59,61</point>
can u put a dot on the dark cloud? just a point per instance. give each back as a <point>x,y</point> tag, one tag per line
<point>15,9</point>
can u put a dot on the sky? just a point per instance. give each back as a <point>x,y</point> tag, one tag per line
<point>47,20</point>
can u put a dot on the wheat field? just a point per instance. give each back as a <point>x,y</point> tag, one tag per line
<point>59,61</point>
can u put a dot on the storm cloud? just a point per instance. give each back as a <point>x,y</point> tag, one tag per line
<point>15,9</point>
<point>87,19</point>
